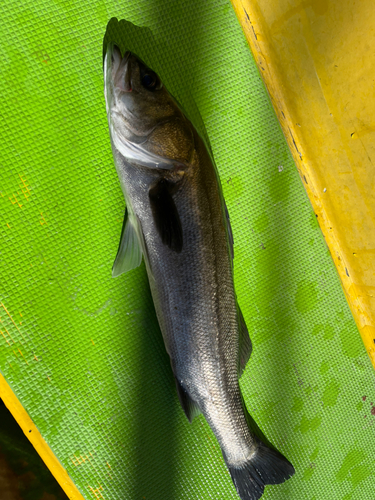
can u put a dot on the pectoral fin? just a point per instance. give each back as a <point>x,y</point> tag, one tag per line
<point>165,215</point>
<point>129,254</point>
<point>245,344</point>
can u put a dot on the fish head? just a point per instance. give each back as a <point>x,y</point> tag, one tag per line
<point>146,124</point>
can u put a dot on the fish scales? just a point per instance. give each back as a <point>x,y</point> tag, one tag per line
<point>176,218</point>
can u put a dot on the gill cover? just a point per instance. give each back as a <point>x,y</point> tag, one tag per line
<point>142,115</point>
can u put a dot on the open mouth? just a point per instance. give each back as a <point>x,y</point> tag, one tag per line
<point>120,68</point>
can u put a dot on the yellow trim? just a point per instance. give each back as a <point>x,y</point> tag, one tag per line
<point>316,60</point>
<point>33,434</point>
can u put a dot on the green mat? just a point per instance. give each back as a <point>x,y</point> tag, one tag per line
<point>83,352</point>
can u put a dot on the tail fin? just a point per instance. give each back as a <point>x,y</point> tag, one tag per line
<point>266,466</point>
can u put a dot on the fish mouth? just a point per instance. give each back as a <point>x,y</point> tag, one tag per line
<point>118,69</point>
<point>121,68</point>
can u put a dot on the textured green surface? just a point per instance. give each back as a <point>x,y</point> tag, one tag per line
<point>83,352</point>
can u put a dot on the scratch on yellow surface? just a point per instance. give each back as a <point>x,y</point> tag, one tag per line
<point>14,201</point>
<point>6,340</point>
<point>7,333</point>
<point>96,492</point>
<point>25,187</point>
<point>12,320</point>
<point>43,219</point>
<point>315,58</point>
<point>79,460</point>
<point>91,463</point>
<point>45,261</point>
<point>33,434</point>
<point>23,356</point>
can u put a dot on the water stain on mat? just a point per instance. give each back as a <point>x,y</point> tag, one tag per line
<point>359,406</point>
<point>309,472</point>
<point>327,330</point>
<point>236,186</point>
<point>351,345</point>
<point>313,220</point>
<point>359,474</point>
<point>331,393</point>
<point>261,222</point>
<point>352,459</point>
<point>307,424</point>
<point>324,367</point>
<point>314,453</point>
<point>306,297</point>
<point>279,187</point>
<point>353,470</point>
<point>298,404</point>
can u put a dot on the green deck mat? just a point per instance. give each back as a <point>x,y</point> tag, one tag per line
<point>82,351</point>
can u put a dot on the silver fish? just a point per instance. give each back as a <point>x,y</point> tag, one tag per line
<point>177,219</point>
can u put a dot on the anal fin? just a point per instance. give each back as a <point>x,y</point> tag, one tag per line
<point>189,406</point>
<point>230,232</point>
<point>245,343</point>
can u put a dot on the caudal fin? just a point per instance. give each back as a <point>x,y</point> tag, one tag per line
<point>266,466</point>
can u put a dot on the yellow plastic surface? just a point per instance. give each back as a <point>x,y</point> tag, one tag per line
<point>317,60</point>
<point>33,434</point>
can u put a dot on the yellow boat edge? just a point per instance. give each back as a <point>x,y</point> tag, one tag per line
<point>252,23</point>
<point>36,439</point>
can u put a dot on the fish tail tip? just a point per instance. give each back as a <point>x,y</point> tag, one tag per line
<point>266,466</point>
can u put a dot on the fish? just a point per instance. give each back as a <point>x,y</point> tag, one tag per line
<point>177,220</point>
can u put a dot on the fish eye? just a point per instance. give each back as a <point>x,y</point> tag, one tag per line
<point>150,81</point>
